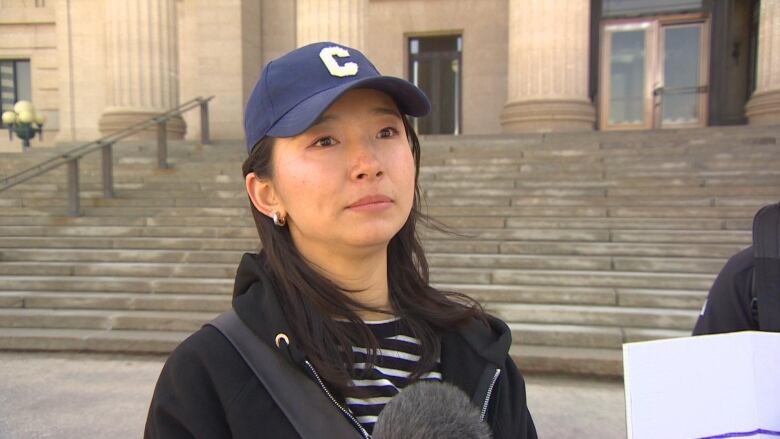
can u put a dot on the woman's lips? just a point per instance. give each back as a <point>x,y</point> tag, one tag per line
<point>371,203</point>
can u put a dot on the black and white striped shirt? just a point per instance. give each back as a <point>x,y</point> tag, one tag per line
<point>398,353</point>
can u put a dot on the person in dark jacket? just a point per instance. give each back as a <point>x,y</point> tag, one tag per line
<point>730,304</point>
<point>340,289</point>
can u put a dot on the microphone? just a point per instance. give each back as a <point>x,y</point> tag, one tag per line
<point>428,410</point>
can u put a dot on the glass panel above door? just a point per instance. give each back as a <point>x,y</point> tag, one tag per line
<point>615,8</point>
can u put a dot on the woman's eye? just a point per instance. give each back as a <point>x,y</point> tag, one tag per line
<point>325,141</point>
<point>388,132</point>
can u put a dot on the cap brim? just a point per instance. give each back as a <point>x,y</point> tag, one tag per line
<point>410,100</point>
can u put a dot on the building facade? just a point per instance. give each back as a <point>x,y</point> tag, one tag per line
<point>489,66</point>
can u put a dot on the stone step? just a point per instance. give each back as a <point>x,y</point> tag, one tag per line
<point>741,180</point>
<point>566,335</point>
<point>613,202</point>
<point>196,245</point>
<point>94,187</point>
<point>104,319</point>
<point>585,336</point>
<point>139,193</point>
<point>582,235</point>
<point>620,317</point>
<point>716,212</point>
<point>147,231</point>
<point>515,234</point>
<point>612,279</point>
<point>122,221</point>
<point>114,301</point>
<point>676,236</point>
<point>91,340</point>
<point>623,223</point>
<point>579,295</point>
<point>709,184</point>
<point>544,294</point>
<point>473,222</point>
<point>203,200</point>
<point>529,357</point>
<point>586,235</point>
<point>555,262</point>
<point>188,272</point>
<point>138,267</point>
<point>568,360</point>
<point>132,211</point>
<point>709,191</point>
<point>617,194</point>
<point>130,284</point>
<point>117,256</point>
<point>656,298</point>
<point>160,243</point>
<point>646,249</point>
<point>123,269</point>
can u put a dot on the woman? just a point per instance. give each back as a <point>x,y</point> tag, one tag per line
<point>340,290</point>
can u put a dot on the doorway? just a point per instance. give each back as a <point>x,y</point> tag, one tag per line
<point>435,66</point>
<point>654,73</point>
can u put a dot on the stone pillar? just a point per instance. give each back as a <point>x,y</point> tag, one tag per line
<point>340,21</point>
<point>763,108</point>
<point>548,67</point>
<point>142,65</point>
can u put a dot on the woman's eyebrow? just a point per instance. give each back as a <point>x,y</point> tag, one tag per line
<point>322,119</point>
<point>377,110</point>
<point>386,111</point>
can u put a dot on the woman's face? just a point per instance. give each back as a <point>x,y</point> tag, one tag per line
<point>347,182</point>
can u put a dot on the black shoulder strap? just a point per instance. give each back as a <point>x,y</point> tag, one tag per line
<point>304,403</point>
<point>766,271</point>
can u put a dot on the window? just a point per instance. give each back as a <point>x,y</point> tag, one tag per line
<point>435,65</point>
<point>15,84</point>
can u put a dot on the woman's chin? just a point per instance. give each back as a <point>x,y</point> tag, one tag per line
<point>370,237</point>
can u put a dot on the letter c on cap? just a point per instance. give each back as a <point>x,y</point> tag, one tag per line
<point>328,56</point>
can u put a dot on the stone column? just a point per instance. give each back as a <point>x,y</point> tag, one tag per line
<point>548,67</point>
<point>142,65</point>
<point>763,108</point>
<point>340,21</point>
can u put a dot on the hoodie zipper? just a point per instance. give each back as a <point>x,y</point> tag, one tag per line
<point>487,397</point>
<point>357,424</point>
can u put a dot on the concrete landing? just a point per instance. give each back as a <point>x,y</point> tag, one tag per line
<point>46,395</point>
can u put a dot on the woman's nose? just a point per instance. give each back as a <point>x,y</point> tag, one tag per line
<point>366,164</point>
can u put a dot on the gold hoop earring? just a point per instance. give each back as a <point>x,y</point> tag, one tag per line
<point>279,220</point>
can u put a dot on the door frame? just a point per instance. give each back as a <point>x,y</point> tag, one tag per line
<point>455,55</point>
<point>653,62</point>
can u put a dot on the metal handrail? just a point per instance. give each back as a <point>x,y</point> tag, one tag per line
<point>105,144</point>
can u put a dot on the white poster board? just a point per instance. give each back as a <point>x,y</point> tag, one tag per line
<point>713,386</point>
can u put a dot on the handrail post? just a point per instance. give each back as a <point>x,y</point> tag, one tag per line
<point>162,144</point>
<point>204,122</point>
<point>108,171</point>
<point>73,187</point>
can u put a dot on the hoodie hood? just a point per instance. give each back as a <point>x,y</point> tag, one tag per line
<point>491,342</point>
<point>256,303</point>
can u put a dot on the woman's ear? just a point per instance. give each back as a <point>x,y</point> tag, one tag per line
<point>263,195</point>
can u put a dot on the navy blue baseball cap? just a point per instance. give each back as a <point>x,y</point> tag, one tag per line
<point>295,89</point>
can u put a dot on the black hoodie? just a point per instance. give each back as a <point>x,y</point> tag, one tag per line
<point>205,389</point>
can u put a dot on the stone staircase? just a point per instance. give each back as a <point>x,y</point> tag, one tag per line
<point>581,242</point>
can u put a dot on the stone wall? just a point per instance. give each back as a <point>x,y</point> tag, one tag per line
<point>483,26</point>
<point>221,48</point>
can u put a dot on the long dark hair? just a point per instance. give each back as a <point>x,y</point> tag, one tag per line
<point>313,304</point>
